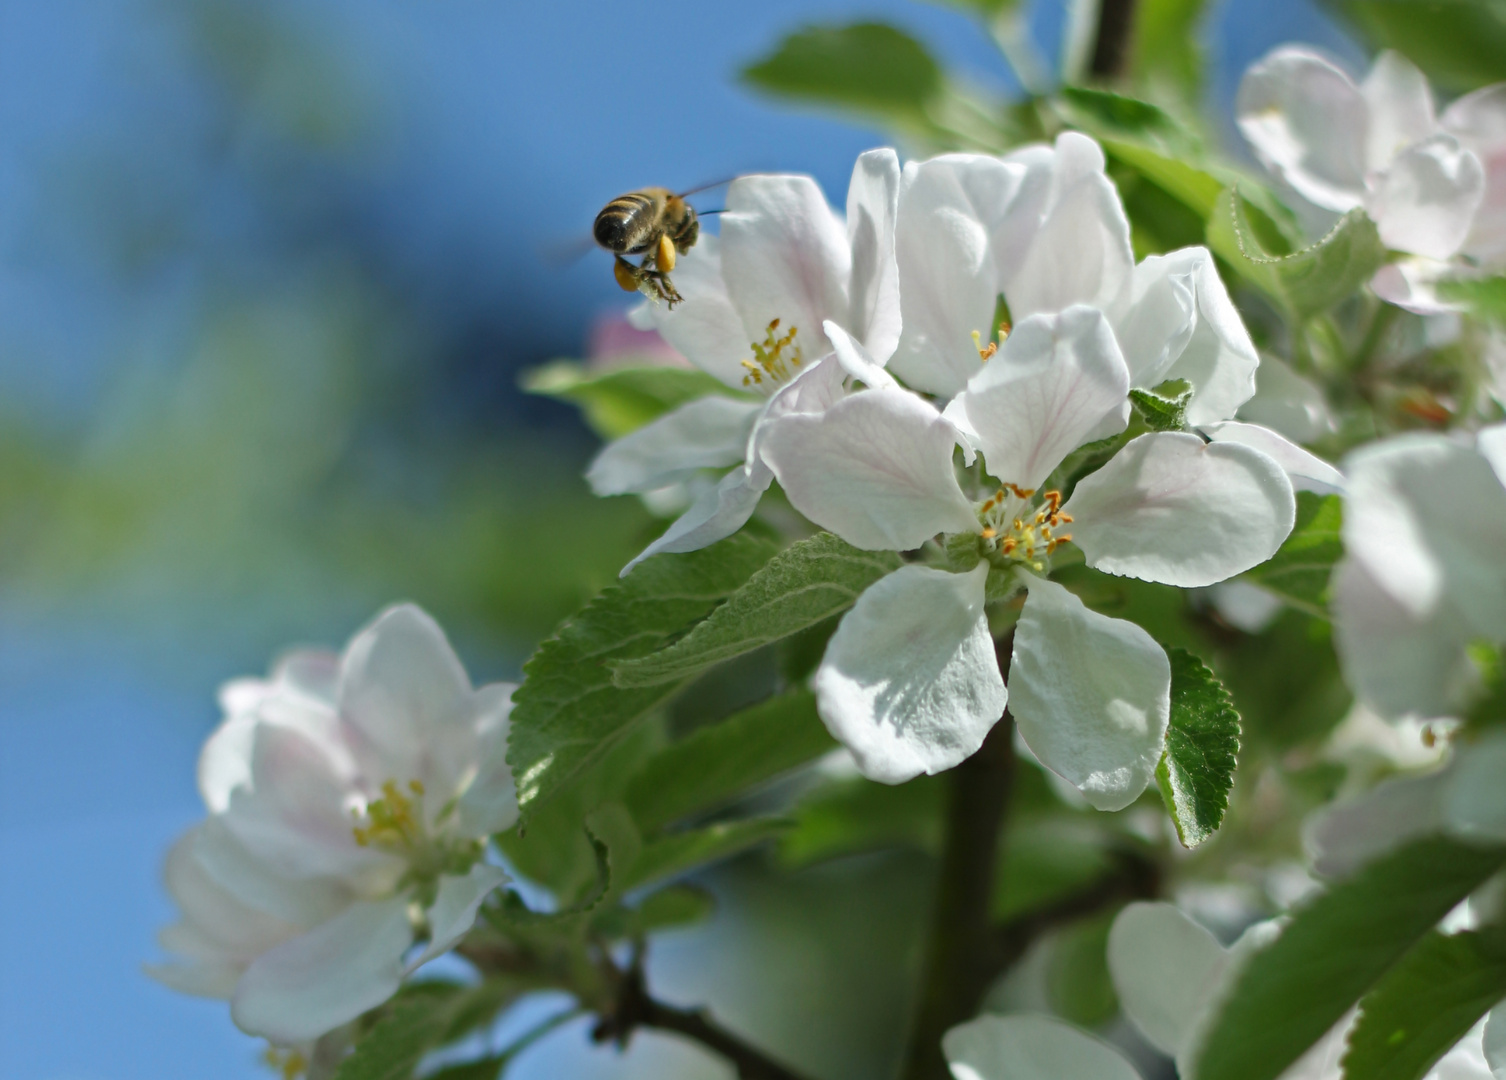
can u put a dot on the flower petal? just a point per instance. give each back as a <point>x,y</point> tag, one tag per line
<point>1491,442</point>
<point>1478,121</point>
<point>1425,202</point>
<point>454,909</point>
<point>1052,384</point>
<point>1495,1041</point>
<point>1307,472</point>
<point>1220,359</point>
<point>1091,695</point>
<point>401,688</point>
<point>949,209</point>
<point>875,468</point>
<point>1164,968</point>
<point>1398,663</point>
<point>909,682</point>
<point>297,901</point>
<point>490,802</point>
<point>872,206</point>
<point>1287,402</point>
<point>1401,108</point>
<point>785,256</point>
<point>327,977</point>
<point>855,361</point>
<point>707,433</point>
<point>1412,283</point>
<point>1170,508</point>
<point>715,515</point>
<point>1475,801</point>
<point>1028,1047</point>
<point>1307,122</point>
<point>705,327</point>
<point>1344,837</point>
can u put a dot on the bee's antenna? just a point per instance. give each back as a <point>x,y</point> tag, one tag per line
<point>706,187</point>
<point>703,213</point>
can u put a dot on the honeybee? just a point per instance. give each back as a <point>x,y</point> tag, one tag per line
<point>652,222</point>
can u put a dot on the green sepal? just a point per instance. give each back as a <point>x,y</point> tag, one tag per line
<point>1165,407</point>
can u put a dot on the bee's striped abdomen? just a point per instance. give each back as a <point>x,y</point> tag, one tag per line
<point>627,223</point>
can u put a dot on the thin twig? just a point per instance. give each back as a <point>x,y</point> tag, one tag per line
<point>957,965</point>
<point>635,1008</point>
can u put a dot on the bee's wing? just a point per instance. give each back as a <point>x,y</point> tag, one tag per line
<point>560,253</point>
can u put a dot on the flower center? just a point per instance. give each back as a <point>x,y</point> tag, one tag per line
<point>775,359</point>
<point>986,351</point>
<point>1018,530</point>
<point>291,1064</point>
<point>395,823</point>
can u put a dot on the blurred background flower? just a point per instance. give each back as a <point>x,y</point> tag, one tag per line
<point>269,273</point>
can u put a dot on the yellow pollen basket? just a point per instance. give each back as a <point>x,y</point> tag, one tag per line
<point>775,359</point>
<point>394,820</point>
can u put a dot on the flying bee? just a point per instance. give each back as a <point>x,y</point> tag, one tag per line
<point>655,223</point>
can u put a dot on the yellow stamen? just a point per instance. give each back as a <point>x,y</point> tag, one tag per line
<point>775,358</point>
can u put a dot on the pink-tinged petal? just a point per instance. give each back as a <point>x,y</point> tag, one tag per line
<point>872,206</point>
<point>875,468</point>
<point>1478,121</point>
<point>1425,201</point>
<point>1091,695</point>
<point>705,327</point>
<point>312,984</point>
<point>910,683</point>
<point>1170,508</point>
<point>1080,255</point>
<point>715,515</point>
<point>1306,471</point>
<point>401,686</point>
<point>1029,1047</point>
<point>707,433</point>
<point>453,912</point>
<point>950,210</point>
<point>1412,283</point>
<point>1165,967</point>
<point>785,256</point>
<point>1219,359</point>
<point>1401,108</point>
<point>1308,123</point>
<point>1399,663</point>
<point>1049,387</point>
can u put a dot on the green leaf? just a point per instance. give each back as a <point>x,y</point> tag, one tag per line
<point>860,815</point>
<point>1165,407</point>
<point>422,1017</point>
<point>1303,282</point>
<point>1334,950</point>
<point>621,400</point>
<point>1300,569</point>
<point>1045,860</point>
<point>1484,297</point>
<point>1426,1004</point>
<point>802,585</point>
<point>716,764</point>
<point>678,853</point>
<point>868,67</point>
<point>1077,977</point>
<point>987,9</point>
<point>487,1068</point>
<point>567,712</point>
<point>1108,115</point>
<point>1194,187</point>
<point>677,905</point>
<point>1460,44</point>
<point>1202,745</point>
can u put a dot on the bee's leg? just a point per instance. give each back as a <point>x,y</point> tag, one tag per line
<point>645,279</point>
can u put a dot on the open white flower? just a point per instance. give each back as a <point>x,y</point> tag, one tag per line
<point>909,682</point>
<point>757,300</point>
<point>1380,145</point>
<point>1423,578</point>
<point>350,798</point>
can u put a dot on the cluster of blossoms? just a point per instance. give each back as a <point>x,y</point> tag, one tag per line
<point>349,799</point>
<point>897,410</point>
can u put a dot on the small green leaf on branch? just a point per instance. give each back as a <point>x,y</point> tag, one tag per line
<point>1202,744</point>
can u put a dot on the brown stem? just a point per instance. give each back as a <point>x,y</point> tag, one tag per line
<point>958,964</point>
<point>1111,48</point>
<point>635,1008</point>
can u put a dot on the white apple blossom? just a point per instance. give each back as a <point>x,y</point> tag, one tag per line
<point>909,682</point>
<point>756,300</point>
<point>1423,579</point>
<point>350,798</point>
<point>1436,187</point>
